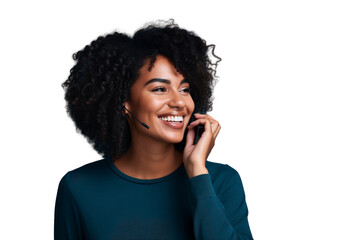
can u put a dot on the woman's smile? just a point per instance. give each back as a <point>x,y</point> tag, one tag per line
<point>174,121</point>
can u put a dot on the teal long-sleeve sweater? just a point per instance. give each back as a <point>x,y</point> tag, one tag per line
<point>98,201</point>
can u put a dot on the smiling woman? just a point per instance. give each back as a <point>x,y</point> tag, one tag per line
<point>132,98</point>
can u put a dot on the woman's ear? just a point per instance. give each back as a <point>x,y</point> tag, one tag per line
<point>125,107</point>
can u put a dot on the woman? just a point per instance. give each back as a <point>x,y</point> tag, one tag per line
<point>132,98</point>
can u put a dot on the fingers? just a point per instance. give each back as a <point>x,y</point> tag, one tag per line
<point>214,125</point>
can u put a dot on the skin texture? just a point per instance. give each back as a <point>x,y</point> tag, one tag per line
<point>152,153</point>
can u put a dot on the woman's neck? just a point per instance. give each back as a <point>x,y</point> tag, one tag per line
<point>149,161</point>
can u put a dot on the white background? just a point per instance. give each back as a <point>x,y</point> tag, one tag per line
<point>287,99</point>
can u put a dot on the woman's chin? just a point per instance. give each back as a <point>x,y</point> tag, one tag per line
<point>173,139</point>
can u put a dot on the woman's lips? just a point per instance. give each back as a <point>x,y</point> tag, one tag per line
<point>176,125</point>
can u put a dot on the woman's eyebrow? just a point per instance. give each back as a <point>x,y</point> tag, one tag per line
<point>164,81</point>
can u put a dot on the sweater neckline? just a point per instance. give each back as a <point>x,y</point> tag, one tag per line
<point>145,181</point>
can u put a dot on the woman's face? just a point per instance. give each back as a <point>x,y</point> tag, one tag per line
<point>161,99</point>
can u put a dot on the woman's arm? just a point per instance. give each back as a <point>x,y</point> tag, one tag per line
<point>67,221</point>
<point>219,217</point>
<point>215,217</point>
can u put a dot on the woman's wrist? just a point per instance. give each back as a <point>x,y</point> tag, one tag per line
<point>195,170</point>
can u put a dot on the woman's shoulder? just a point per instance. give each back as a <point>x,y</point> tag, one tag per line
<point>221,173</point>
<point>221,169</point>
<point>89,168</point>
<point>83,174</point>
<point>224,177</point>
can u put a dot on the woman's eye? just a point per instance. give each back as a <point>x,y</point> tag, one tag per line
<point>185,90</point>
<point>160,89</point>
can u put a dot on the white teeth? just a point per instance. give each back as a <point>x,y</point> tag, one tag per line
<point>172,118</point>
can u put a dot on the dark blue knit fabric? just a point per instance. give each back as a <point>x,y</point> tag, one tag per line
<point>98,201</point>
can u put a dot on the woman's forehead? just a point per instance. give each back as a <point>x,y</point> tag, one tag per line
<point>162,68</point>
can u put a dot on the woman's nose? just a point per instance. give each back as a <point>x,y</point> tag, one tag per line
<point>176,100</point>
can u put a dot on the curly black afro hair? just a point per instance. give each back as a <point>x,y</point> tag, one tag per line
<point>100,81</point>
